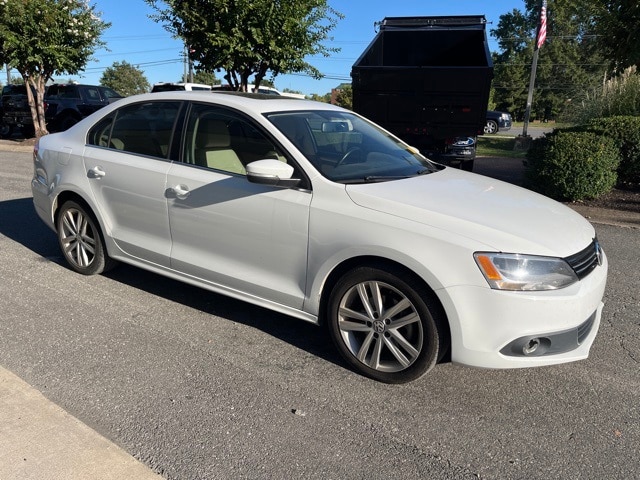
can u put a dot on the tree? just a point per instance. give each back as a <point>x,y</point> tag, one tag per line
<point>42,38</point>
<point>618,28</point>
<point>569,61</point>
<point>326,98</point>
<point>251,37</point>
<point>344,96</point>
<point>205,78</point>
<point>125,79</point>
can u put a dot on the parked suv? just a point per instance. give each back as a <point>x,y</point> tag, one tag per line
<point>497,121</point>
<point>67,104</point>
<point>15,111</point>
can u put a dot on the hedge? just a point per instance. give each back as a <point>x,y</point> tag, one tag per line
<point>625,131</point>
<point>572,164</point>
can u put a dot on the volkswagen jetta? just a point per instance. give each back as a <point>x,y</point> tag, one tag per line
<point>313,211</point>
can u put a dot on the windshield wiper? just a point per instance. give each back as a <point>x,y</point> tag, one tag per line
<point>384,178</point>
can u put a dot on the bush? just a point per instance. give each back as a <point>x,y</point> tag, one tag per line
<point>572,165</point>
<point>625,131</point>
<point>619,95</point>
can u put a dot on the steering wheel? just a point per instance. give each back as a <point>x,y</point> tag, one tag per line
<point>350,153</point>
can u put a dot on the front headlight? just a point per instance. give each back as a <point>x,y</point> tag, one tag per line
<point>512,271</point>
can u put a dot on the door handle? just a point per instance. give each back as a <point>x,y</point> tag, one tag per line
<point>96,172</point>
<point>180,191</point>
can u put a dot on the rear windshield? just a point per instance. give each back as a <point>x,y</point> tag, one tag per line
<point>167,88</point>
<point>14,90</point>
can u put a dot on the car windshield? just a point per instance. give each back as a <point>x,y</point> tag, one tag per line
<point>348,149</point>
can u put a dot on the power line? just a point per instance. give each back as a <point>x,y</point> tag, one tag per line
<point>138,65</point>
<point>135,53</point>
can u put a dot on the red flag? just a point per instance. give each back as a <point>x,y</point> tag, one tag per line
<point>542,31</point>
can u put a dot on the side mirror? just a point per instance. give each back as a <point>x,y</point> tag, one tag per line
<point>271,172</point>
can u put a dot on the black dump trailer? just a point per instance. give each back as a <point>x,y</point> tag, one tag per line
<point>427,80</point>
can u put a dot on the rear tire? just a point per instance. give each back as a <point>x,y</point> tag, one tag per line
<point>491,127</point>
<point>81,240</point>
<point>383,326</point>
<point>66,124</point>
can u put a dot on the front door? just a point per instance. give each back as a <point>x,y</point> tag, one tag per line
<point>230,232</point>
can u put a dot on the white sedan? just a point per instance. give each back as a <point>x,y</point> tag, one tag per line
<point>313,211</point>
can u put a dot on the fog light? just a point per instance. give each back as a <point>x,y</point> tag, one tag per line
<point>531,346</point>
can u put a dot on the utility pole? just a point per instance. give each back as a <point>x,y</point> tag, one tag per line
<point>186,61</point>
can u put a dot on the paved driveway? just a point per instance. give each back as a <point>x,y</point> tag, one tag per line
<point>197,385</point>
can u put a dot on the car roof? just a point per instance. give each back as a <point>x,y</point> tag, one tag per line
<point>253,102</point>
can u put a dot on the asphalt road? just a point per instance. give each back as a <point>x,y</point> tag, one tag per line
<point>198,386</point>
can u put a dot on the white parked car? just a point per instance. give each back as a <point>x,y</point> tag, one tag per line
<point>313,211</point>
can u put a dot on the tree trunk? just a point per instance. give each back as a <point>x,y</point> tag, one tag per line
<point>36,104</point>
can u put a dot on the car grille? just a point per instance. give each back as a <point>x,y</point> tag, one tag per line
<point>585,261</point>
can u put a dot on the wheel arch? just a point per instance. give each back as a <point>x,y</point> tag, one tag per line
<point>67,195</point>
<point>391,266</point>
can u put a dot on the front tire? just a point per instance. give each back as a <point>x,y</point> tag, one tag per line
<point>81,241</point>
<point>382,326</point>
<point>5,130</point>
<point>467,165</point>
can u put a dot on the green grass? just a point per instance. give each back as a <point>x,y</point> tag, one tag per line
<point>498,146</point>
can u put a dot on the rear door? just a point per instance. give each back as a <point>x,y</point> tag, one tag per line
<point>127,159</point>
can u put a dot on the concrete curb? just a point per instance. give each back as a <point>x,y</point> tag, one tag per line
<point>16,146</point>
<point>40,440</point>
<point>512,170</point>
<point>604,216</point>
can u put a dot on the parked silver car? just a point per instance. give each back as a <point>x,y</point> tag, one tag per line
<point>313,211</point>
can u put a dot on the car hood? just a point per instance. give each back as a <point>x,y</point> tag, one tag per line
<point>498,215</point>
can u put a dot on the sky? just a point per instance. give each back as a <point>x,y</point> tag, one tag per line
<point>135,38</point>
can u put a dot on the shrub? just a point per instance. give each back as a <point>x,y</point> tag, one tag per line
<point>625,131</point>
<point>619,95</point>
<point>572,165</point>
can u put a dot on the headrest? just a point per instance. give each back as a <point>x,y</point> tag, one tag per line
<point>212,134</point>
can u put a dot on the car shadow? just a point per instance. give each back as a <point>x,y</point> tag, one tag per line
<point>303,335</point>
<point>19,222</point>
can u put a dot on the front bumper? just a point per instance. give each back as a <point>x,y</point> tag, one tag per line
<point>504,124</point>
<point>499,329</point>
<point>18,120</point>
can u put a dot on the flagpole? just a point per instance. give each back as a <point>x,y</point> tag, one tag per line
<point>532,82</point>
<point>541,35</point>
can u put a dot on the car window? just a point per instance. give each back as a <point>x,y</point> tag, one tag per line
<point>142,128</point>
<point>68,91</point>
<point>223,140</point>
<point>100,132</point>
<point>93,94</point>
<point>14,90</point>
<point>109,93</point>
